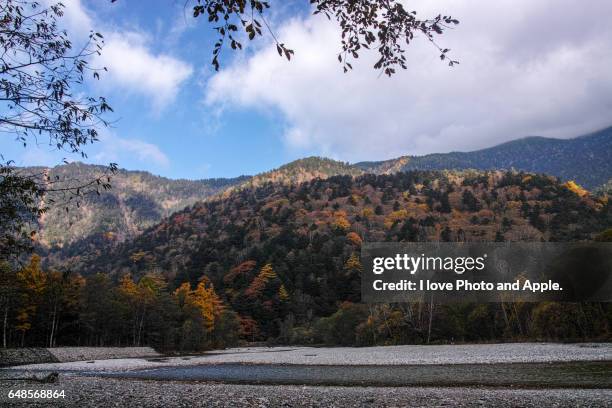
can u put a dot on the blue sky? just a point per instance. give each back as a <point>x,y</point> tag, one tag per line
<point>176,117</point>
<point>171,132</point>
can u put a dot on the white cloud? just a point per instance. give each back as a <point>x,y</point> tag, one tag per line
<point>113,148</point>
<point>132,64</point>
<point>526,68</point>
<point>109,148</point>
<point>76,18</point>
<point>134,67</point>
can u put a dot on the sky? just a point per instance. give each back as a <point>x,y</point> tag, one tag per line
<point>526,68</point>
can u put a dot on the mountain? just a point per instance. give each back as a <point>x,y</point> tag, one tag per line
<point>136,201</point>
<point>139,199</point>
<point>586,159</point>
<point>302,170</point>
<point>310,234</point>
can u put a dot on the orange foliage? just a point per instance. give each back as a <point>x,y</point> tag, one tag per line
<point>354,238</point>
<point>203,299</point>
<point>242,269</point>
<point>341,223</point>
<point>259,283</point>
<point>340,220</point>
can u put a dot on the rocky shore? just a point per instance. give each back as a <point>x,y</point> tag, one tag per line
<point>39,355</point>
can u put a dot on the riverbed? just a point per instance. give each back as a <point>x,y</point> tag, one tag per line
<point>527,374</point>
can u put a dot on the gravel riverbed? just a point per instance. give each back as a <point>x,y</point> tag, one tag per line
<point>500,375</point>
<point>106,392</point>
<point>388,355</point>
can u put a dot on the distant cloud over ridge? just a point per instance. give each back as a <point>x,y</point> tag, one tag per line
<point>526,68</point>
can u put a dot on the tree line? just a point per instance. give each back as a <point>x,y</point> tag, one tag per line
<point>50,308</point>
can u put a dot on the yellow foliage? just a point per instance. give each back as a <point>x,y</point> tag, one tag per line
<point>341,222</point>
<point>576,188</point>
<point>261,280</point>
<point>367,212</point>
<point>423,207</point>
<point>604,199</point>
<point>203,300</point>
<point>395,216</point>
<point>137,256</point>
<point>32,282</point>
<point>207,302</point>
<point>283,295</point>
<point>353,264</point>
<point>128,287</point>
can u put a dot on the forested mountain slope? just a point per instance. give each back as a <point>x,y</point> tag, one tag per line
<point>137,200</point>
<point>310,234</point>
<point>586,159</point>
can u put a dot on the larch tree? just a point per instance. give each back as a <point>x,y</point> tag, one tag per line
<point>202,308</point>
<point>260,283</point>
<point>32,282</point>
<point>205,299</point>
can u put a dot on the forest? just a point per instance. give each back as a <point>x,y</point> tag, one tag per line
<point>279,263</point>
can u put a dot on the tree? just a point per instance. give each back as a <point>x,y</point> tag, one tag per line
<point>54,293</point>
<point>99,312</point>
<point>470,201</point>
<point>206,301</point>
<point>381,25</point>
<point>341,223</point>
<point>31,281</point>
<point>41,73</point>
<point>354,239</point>
<point>8,296</point>
<point>204,316</point>
<point>62,292</point>
<point>140,297</point>
<point>260,283</point>
<point>445,206</point>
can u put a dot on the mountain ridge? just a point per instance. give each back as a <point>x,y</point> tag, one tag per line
<point>140,199</point>
<point>585,159</point>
